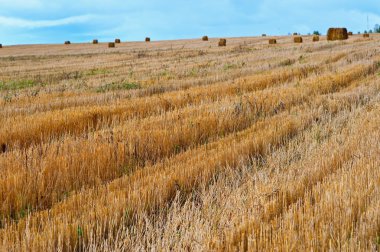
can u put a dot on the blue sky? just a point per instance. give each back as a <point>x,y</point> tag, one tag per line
<point>54,21</point>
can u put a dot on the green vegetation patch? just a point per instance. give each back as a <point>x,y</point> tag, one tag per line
<point>97,71</point>
<point>114,86</point>
<point>287,62</point>
<point>18,84</point>
<point>230,66</point>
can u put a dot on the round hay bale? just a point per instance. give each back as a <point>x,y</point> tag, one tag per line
<point>147,39</point>
<point>222,42</point>
<point>263,35</point>
<point>272,41</point>
<point>204,38</point>
<point>67,42</point>
<point>111,45</point>
<point>366,35</point>
<point>117,41</point>
<point>315,38</point>
<point>337,34</point>
<point>1,46</point>
<point>298,39</point>
<point>95,41</point>
<point>350,33</point>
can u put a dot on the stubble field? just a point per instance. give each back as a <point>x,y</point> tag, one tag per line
<point>187,146</point>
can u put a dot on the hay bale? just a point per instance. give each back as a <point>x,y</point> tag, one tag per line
<point>366,35</point>
<point>337,34</point>
<point>350,33</point>
<point>263,35</point>
<point>272,41</point>
<point>315,38</point>
<point>67,42</point>
<point>298,39</point>
<point>95,41</point>
<point>147,39</point>
<point>111,45</point>
<point>1,46</point>
<point>222,42</point>
<point>117,41</point>
<point>204,38</point>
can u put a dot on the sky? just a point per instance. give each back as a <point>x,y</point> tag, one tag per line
<point>55,21</point>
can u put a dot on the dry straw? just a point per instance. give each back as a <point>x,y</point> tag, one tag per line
<point>272,41</point>
<point>111,45</point>
<point>95,41</point>
<point>337,34</point>
<point>315,38</point>
<point>117,41</point>
<point>204,38</point>
<point>67,42</point>
<point>366,35</point>
<point>298,39</point>
<point>222,42</point>
<point>147,39</point>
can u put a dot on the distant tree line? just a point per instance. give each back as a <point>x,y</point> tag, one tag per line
<point>376,29</point>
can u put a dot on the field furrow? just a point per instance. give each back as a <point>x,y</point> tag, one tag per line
<point>141,192</point>
<point>37,176</point>
<point>43,127</point>
<point>202,211</point>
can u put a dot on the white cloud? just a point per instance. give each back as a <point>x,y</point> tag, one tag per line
<point>19,5</point>
<point>10,22</point>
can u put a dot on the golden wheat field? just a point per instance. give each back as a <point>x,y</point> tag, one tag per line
<point>187,146</point>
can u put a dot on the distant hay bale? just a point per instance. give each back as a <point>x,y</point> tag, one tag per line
<point>272,41</point>
<point>67,42</point>
<point>204,38</point>
<point>298,39</point>
<point>222,42</point>
<point>147,39</point>
<point>366,35</point>
<point>350,33</point>
<point>117,41</point>
<point>95,41</point>
<point>1,46</point>
<point>337,34</point>
<point>315,38</point>
<point>263,35</point>
<point>111,45</point>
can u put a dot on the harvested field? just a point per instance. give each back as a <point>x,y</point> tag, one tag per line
<point>187,146</point>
